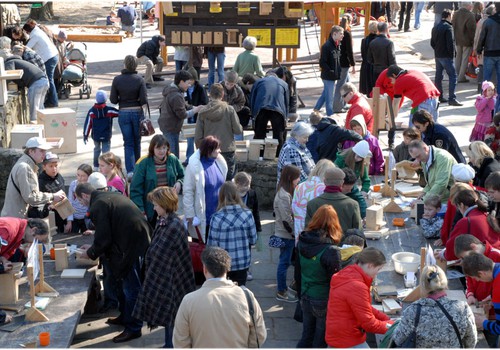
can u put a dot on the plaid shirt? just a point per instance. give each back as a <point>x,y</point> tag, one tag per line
<point>32,57</point>
<point>296,154</point>
<point>233,229</point>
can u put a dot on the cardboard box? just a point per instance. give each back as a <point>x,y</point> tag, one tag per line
<point>60,122</point>
<point>21,133</point>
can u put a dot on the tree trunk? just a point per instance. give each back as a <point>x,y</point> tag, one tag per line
<point>42,12</point>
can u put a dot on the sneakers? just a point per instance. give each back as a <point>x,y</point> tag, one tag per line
<point>284,296</point>
<point>293,287</point>
<point>158,78</point>
<point>249,276</point>
<point>455,103</point>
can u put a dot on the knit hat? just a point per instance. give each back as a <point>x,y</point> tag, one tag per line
<point>362,149</point>
<point>462,172</point>
<point>101,96</point>
<point>98,180</point>
<point>62,35</point>
<point>334,177</point>
<point>193,73</point>
<point>487,84</point>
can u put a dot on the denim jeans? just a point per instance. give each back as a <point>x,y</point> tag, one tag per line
<point>431,106</point>
<point>50,66</point>
<point>169,334</point>
<point>285,261</point>
<point>448,65</point>
<point>418,10</point>
<point>127,28</point>
<point>129,121</point>
<point>490,63</point>
<point>220,57</point>
<point>179,65</point>
<point>231,164</point>
<point>173,141</point>
<point>36,96</point>
<point>127,295</point>
<point>314,323</point>
<point>190,148</point>
<point>326,97</point>
<point>99,146</point>
<point>338,101</point>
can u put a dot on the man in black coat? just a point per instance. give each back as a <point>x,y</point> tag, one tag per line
<point>122,236</point>
<point>381,53</point>
<point>149,54</point>
<point>443,43</point>
<point>331,137</point>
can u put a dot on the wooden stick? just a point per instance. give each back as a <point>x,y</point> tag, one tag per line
<point>32,284</point>
<point>40,263</point>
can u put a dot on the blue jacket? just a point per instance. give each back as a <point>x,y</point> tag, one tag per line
<point>439,136</point>
<point>270,93</point>
<point>99,123</point>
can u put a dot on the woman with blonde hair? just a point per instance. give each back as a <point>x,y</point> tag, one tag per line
<point>318,260</point>
<point>439,322</point>
<point>483,160</point>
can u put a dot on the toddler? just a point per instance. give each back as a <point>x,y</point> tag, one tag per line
<point>485,105</point>
<point>99,125</point>
<point>430,222</point>
<point>110,167</point>
<point>76,221</point>
<point>111,20</point>
<point>401,151</point>
<point>51,181</point>
<point>350,189</point>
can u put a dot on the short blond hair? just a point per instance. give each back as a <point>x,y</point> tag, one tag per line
<point>165,197</point>
<point>433,279</point>
<point>478,151</point>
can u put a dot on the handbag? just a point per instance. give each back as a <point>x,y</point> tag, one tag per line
<point>472,65</point>
<point>411,340</point>
<point>276,242</point>
<point>146,126</point>
<point>196,247</point>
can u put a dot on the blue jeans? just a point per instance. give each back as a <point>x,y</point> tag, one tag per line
<point>179,65</point>
<point>418,9</point>
<point>169,333</point>
<point>285,261</point>
<point>130,288</point>
<point>173,141</point>
<point>430,105</point>
<point>36,96</point>
<point>488,64</point>
<point>314,323</point>
<point>448,65</point>
<point>105,146</point>
<point>326,97</point>
<point>50,66</point>
<point>338,101</point>
<point>129,121</point>
<point>238,137</point>
<point>211,67</point>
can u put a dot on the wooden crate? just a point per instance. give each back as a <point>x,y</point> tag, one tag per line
<point>255,147</point>
<point>21,133</point>
<point>271,145</point>
<point>60,122</point>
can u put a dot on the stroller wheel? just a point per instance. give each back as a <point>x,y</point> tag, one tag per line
<point>81,94</point>
<point>67,91</point>
<point>88,93</point>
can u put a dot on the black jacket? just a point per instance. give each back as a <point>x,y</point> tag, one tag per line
<point>329,60</point>
<point>442,40</point>
<point>381,54</point>
<point>128,90</point>
<point>488,39</point>
<point>196,98</point>
<point>488,166</point>
<point>122,233</point>
<point>31,73</point>
<point>439,136</point>
<point>330,138</point>
<point>253,204</point>
<point>150,48</point>
<point>346,53</point>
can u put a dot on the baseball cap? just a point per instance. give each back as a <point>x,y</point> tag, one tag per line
<point>50,157</point>
<point>98,180</point>
<point>37,142</point>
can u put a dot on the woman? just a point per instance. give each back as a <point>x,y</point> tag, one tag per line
<point>248,61</point>
<point>435,328</point>
<point>365,74</point>
<point>346,61</point>
<point>492,136</point>
<point>233,228</point>
<point>483,160</point>
<point>295,152</point>
<point>319,259</point>
<point>167,265</point>
<point>355,159</point>
<point>205,174</point>
<point>350,314</point>
<point>128,90</point>
<point>307,190</point>
<point>159,168</point>
<point>283,227</point>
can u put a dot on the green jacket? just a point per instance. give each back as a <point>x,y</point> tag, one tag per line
<point>438,176</point>
<point>144,181</point>
<point>358,197</point>
<point>365,179</point>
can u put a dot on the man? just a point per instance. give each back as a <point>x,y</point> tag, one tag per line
<point>219,119</point>
<point>406,7</point>
<point>269,101</point>
<point>464,27</point>
<point>219,314</point>
<point>149,54</point>
<point>173,109</point>
<point>359,105</point>
<point>437,165</point>
<point>14,232</point>
<point>416,86</point>
<point>122,236</point>
<point>127,15</point>
<point>22,186</point>
<point>28,55</point>
<point>442,42</point>
<point>489,45</point>
<point>347,209</point>
<point>439,7</point>
<point>381,53</point>
<point>235,97</point>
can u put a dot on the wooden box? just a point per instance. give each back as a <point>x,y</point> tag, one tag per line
<point>294,9</point>
<point>255,147</point>
<point>21,133</point>
<point>271,145</point>
<point>9,288</point>
<point>60,122</point>
<point>382,111</point>
<point>241,151</point>
<point>374,217</point>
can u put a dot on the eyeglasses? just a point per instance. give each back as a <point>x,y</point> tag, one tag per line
<point>344,95</point>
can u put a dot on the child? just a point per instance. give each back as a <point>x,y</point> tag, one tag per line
<point>51,181</point>
<point>485,105</point>
<point>355,158</point>
<point>99,124</point>
<point>350,189</point>
<point>430,222</point>
<point>110,166</point>
<point>377,161</point>
<point>401,151</point>
<point>111,20</point>
<point>492,184</point>
<point>76,221</point>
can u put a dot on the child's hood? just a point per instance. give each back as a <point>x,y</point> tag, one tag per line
<point>361,120</point>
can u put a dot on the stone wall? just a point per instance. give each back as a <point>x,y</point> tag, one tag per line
<point>264,176</point>
<point>14,112</point>
<point>8,157</point>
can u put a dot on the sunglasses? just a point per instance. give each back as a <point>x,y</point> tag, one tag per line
<point>344,95</point>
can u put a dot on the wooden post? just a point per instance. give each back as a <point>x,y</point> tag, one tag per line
<point>375,110</point>
<point>33,314</point>
<point>42,286</point>
<point>387,190</point>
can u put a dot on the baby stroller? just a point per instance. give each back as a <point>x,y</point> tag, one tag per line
<point>75,72</point>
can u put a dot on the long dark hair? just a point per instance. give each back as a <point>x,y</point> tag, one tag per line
<point>288,174</point>
<point>469,197</point>
<point>158,140</point>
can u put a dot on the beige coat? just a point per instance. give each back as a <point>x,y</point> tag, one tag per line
<point>217,316</point>
<point>283,211</point>
<point>25,177</point>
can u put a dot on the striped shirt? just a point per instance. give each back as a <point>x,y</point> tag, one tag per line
<point>161,173</point>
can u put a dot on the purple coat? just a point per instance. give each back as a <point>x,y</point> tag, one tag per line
<point>377,161</point>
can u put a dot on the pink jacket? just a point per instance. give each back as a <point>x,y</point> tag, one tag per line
<point>484,108</point>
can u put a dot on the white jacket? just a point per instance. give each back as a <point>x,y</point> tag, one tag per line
<point>193,198</point>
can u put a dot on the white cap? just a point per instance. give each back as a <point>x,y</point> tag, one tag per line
<point>38,142</point>
<point>362,149</point>
<point>98,180</point>
<point>463,172</point>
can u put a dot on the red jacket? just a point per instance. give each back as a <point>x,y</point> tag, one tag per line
<point>478,227</point>
<point>350,314</point>
<point>385,84</point>
<point>416,86</point>
<point>359,105</point>
<point>12,231</point>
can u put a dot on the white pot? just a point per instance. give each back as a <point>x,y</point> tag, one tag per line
<point>405,262</point>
